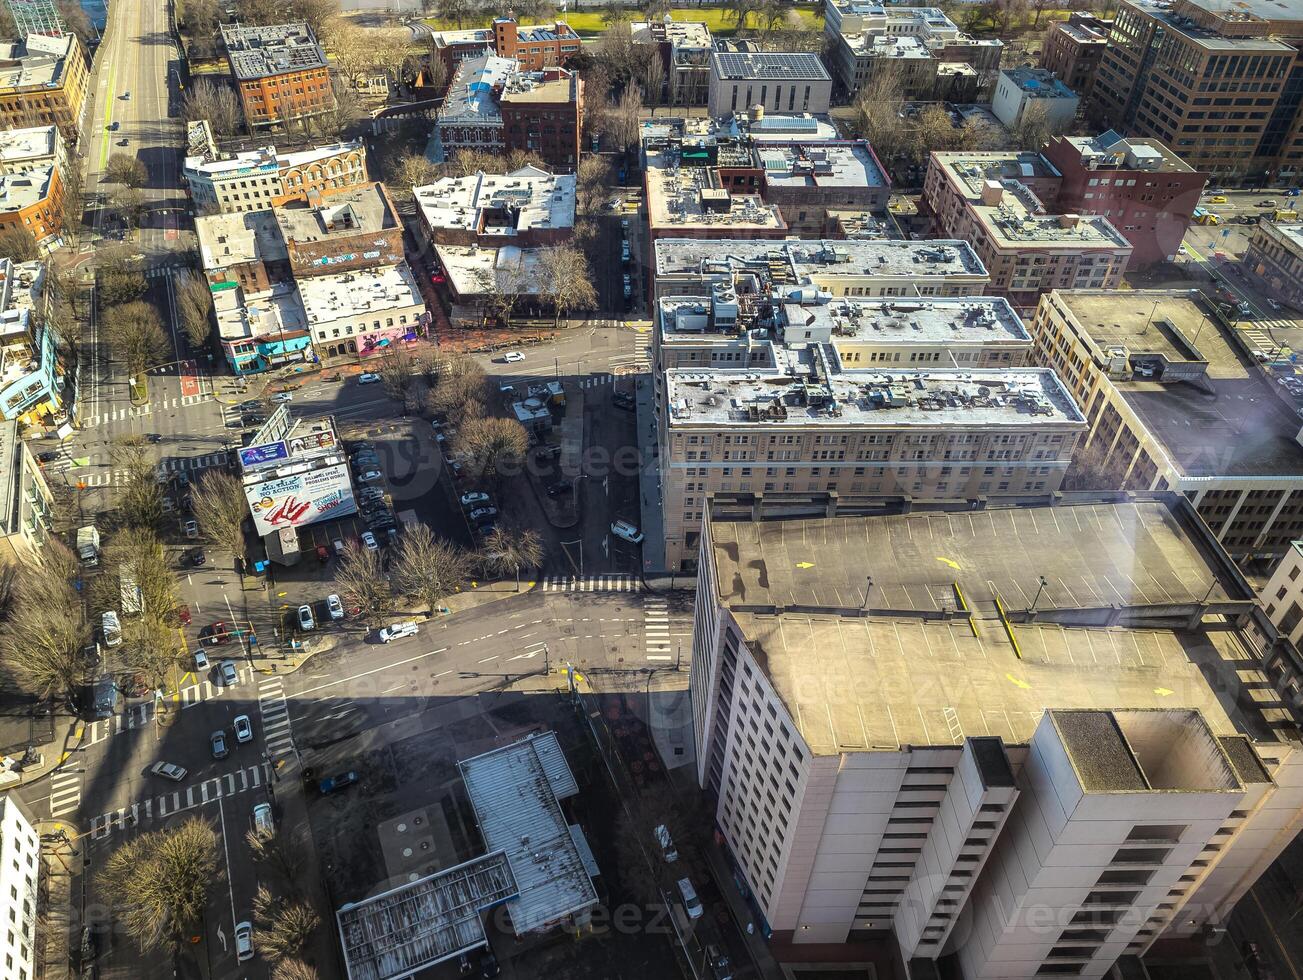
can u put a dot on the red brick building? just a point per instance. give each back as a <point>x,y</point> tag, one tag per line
<point>544,116</point>
<point>534,47</point>
<point>1142,187</point>
<point>280,72</point>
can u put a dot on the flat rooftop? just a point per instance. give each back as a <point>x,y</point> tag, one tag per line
<point>795,259</point>
<point>269,158</point>
<point>351,294</point>
<point>891,678</point>
<point>1214,41</point>
<point>359,211</point>
<point>1038,83</point>
<point>1129,153</point>
<point>25,188</point>
<point>679,33</point>
<point>693,197</point>
<point>888,45</point>
<point>775,399</point>
<point>528,199</point>
<point>229,239</point>
<point>555,85</point>
<point>473,269</point>
<point>1292,233</point>
<point>1232,425</point>
<point>768,66</point>
<point>1082,33</point>
<point>272,49</point>
<point>23,144</point>
<point>958,320</point>
<point>1239,10</point>
<point>824,164</point>
<point>38,61</point>
<point>271,313</point>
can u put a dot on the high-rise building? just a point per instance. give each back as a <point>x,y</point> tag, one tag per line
<point>990,734</point>
<point>280,71</point>
<point>20,873</point>
<point>1219,81</point>
<point>1074,48</point>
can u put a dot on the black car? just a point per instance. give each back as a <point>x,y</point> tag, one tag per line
<point>49,456</point>
<point>489,965</point>
<point>196,557</point>
<point>251,405</point>
<point>154,438</point>
<point>624,401</point>
<point>248,421</point>
<point>558,488</point>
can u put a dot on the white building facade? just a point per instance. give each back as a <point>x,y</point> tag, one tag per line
<point>20,868</point>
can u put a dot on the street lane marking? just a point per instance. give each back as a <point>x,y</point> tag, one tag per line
<point>211,790</point>
<point>367,673</point>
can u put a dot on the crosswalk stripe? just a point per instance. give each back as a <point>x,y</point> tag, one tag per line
<point>598,583</point>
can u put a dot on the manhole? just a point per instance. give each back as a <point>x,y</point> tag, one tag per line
<point>401,828</point>
<point>407,852</point>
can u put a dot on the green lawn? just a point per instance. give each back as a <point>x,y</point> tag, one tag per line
<point>593,23</point>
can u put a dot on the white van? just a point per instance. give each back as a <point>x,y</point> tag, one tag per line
<point>263,821</point>
<point>111,629</point>
<point>691,903</point>
<point>398,630</point>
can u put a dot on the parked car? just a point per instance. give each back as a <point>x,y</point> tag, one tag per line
<point>481,514</point>
<point>371,493</point>
<point>214,634</point>
<point>263,821</point>
<point>628,286</point>
<point>191,529</point>
<point>196,557</point>
<point>513,357</point>
<point>474,498</point>
<point>625,401</point>
<point>691,903</point>
<point>243,729</point>
<point>666,843</point>
<point>182,615</point>
<point>367,378</point>
<point>626,254</point>
<point>625,530</point>
<point>489,965</point>
<point>720,968</point>
<point>169,770</point>
<point>558,488</point>
<point>282,396</point>
<point>396,631</point>
<point>251,420</point>
<point>370,476</point>
<point>218,742</point>
<point>230,676</point>
<point>369,541</point>
<point>306,619</point>
<point>1268,203</point>
<point>243,942</point>
<point>201,661</point>
<point>332,783</point>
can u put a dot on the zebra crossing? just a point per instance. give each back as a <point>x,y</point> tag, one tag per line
<point>116,478</point>
<point>140,715</point>
<point>592,583</point>
<point>178,801</point>
<point>163,271</point>
<point>277,735</point>
<point>125,412</point>
<point>596,381</point>
<point>656,627</point>
<point>65,793</point>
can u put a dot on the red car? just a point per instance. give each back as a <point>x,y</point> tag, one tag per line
<point>437,278</point>
<point>214,634</point>
<point>183,615</point>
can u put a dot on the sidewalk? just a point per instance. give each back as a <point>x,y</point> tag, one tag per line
<point>649,480</point>
<point>59,863</point>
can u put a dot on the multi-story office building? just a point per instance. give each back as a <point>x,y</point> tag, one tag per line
<point>844,404</point>
<point>1074,48</point>
<point>527,208</point>
<point>1219,82</point>
<point>1283,594</point>
<point>31,369</point>
<point>855,268</point>
<point>280,71</point>
<point>353,230</point>
<point>26,149</point>
<point>1275,255</point>
<point>1174,403</point>
<point>911,43</point>
<point>43,82</point>
<point>1002,745</point>
<point>779,82</point>
<point>1142,187</point>
<point>997,201</point>
<point>265,178</point>
<point>32,200</point>
<point>1022,90</point>
<point>685,48</point>
<point>20,874</point>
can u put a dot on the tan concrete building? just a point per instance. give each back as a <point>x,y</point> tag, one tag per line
<point>43,81</point>
<point>26,504</point>
<point>1074,48</point>
<point>997,200</point>
<point>1174,403</point>
<point>988,734</point>
<point>1275,255</point>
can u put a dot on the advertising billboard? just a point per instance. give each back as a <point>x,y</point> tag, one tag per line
<point>301,499</point>
<point>272,452</point>
<point>312,442</point>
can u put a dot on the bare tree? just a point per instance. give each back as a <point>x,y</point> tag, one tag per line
<point>125,169</point>
<point>17,243</point>
<point>351,47</point>
<point>427,568</point>
<point>278,852</point>
<point>391,51</point>
<point>45,628</point>
<point>653,77</point>
<point>317,13</point>
<point>567,281</point>
<point>159,881</point>
<point>460,380</point>
<point>220,509</point>
<point>456,10</point>
<point>409,171</point>
<point>194,302</point>
<point>338,121</point>
<point>217,104</point>
<point>284,928</point>
<point>1034,126</point>
<point>741,11</point>
<point>131,206</point>
<point>593,182</point>
<point>509,549</point>
<point>118,280</point>
<point>488,446</point>
<point>502,286</point>
<point>622,122</point>
<point>139,497</point>
<point>362,581</point>
<point>76,20</point>
<point>135,332</point>
<point>294,970</point>
<point>399,374</point>
<point>878,108</point>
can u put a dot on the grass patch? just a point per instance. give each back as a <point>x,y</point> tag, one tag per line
<point>593,23</point>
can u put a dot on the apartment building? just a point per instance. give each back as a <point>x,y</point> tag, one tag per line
<point>779,82</point>
<point>1283,594</point>
<point>527,208</point>
<point>33,201</point>
<point>26,505</point>
<point>31,368</point>
<point>347,232</point>
<point>1022,90</point>
<point>245,248</point>
<point>952,746</point>
<point>266,177</point>
<point>1175,403</point>
<point>20,872</point>
<point>1142,187</point>
<point>684,48</point>
<point>1074,48</point>
<point>535,48</point>
<point>911,43</point>
<point>1217,81</point>
<point>359,314</point>
<point>997,201</point>
<point>1275,255</point>
<point>26,149</point>
<point>43,82</point>
<point>261,329</point>
<point>855,267</point>
<point>280,71</point>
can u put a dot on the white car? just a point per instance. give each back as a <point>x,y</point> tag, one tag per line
<point>201,660</point>
<point>367,379</point>
<point>625,530</point>
<point>475,498</point>
<point>306,620</point>
<point>243,942</point>
<point>169,770</point>
<point>282,396</point>
<point>397,630</point>
<point>369,541</point>
<point>335,606</point>
<point>263,821</point>
<point>191,529</point>
<point>243,729</point>
<point>512,356</point>
<point>370,476</point>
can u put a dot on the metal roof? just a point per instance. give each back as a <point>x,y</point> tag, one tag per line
<point>769,65</point>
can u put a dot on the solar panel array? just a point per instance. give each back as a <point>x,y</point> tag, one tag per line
<point>767,64</point>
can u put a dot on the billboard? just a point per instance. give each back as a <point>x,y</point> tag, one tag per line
<point>311,442</point>
<point>271,452</point>
<point>301,499</point>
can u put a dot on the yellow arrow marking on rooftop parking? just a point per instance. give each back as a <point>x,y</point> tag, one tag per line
<point>952,564</point>
<point>1163,692</point>
<point>805,564</point>
<point>1018,683</point>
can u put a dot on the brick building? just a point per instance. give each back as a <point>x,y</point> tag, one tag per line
<point>1074,48</point>
<point>33,201</point>
<point>43,81</point>
<point>280,72</point>
<point>355,230</point>
<point>527,208</point>
<point>534,47</point>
